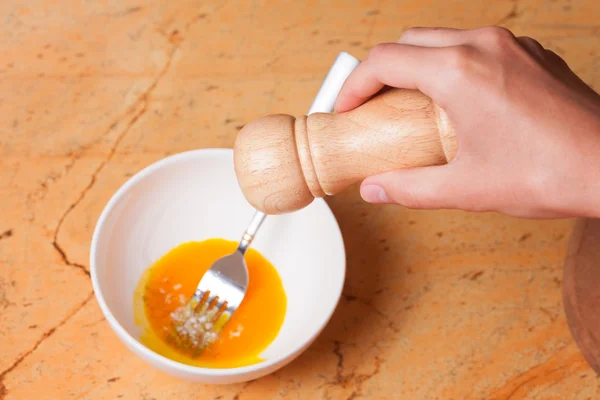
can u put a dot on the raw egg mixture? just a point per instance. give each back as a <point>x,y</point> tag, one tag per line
<point>171,282</point>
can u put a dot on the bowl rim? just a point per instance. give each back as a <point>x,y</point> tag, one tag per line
<point>147,353</point>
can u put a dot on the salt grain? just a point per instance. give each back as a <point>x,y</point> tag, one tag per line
<point>177,287</point>
<point>181,298</point>
<point>236,333</point>
<point>192,327</point>
<point>168,298</point>
<point>161,290</point>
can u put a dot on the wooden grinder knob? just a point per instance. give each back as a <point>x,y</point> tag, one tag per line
<point>282,163</point>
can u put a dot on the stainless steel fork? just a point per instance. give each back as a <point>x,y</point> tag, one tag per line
<point>217,296</point>
<point>223,287</point>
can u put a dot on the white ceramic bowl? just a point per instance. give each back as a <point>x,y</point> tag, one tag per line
<point>195,196</point>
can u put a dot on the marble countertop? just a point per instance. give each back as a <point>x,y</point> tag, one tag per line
<point>437,304</point>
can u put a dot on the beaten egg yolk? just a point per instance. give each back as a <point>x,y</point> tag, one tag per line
<point>171,282</point>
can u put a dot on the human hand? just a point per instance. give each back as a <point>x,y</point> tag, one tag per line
<point>528,129</point>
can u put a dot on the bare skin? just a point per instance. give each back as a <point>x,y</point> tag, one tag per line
<point>528,128</point>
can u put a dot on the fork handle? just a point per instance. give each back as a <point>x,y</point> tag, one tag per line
<point>251,230</point>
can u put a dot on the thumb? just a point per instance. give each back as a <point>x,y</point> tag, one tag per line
<point>435,187</point>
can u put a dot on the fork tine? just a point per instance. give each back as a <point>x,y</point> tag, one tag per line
<point>217,309</point>
<point>204,304</point>
<point>213,308</point>
<point>210,303</point>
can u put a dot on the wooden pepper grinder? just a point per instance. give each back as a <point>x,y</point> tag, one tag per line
<point>282,163</point>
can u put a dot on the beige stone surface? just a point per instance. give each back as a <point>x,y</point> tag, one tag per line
<point>437,305</point>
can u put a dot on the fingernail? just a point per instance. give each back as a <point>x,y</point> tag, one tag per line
<point>374,194</point>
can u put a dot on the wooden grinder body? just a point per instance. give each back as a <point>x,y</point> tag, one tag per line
<point>282,163</point>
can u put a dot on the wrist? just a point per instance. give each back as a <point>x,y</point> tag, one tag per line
<point>580,194</point>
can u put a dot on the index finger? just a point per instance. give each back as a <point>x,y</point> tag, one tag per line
<point>396,65</point>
